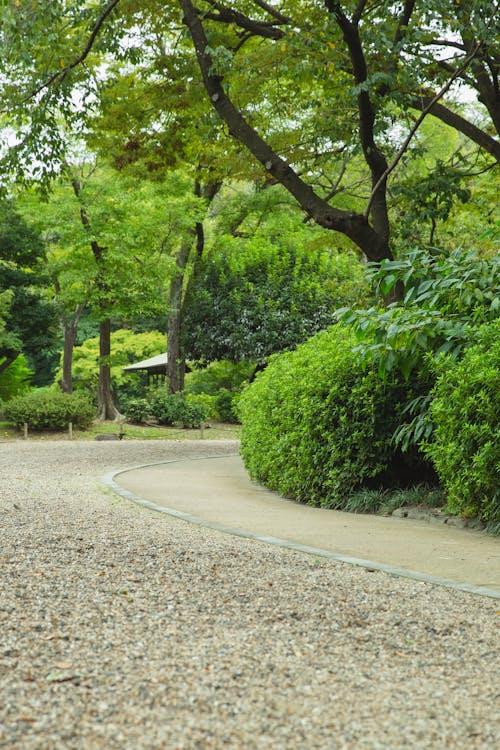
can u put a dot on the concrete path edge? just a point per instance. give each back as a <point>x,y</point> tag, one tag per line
<point>109,481</point>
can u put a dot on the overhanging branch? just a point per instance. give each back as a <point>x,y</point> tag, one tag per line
<point>414,129</point>
<point>60,75</point>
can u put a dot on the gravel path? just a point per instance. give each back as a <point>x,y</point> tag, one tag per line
<point>129,630</point>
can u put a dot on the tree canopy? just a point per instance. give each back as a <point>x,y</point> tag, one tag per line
<point>29,316</point>
<point>326,96</point>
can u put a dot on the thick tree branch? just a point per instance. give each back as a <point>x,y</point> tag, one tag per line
<point>10,356</point>
<point>257,28</point>
<point>272,11</point>
<point>383,178</point>
<point>372,154</point>
<point>60,75</point>
<point>456,121</point>
<point>404,20</point>
<point>353,225</point>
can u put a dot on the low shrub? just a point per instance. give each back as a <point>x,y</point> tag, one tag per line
<point>465,445</point>
<point>223,382</point>
<point>317,427</point>
<point>224,405</point>
<point>136,409</point>
<point>174,409</point>
<point>219,374</point>
<point>50,409</point>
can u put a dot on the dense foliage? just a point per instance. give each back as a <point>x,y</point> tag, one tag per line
<point>317,427</point>
<point>15,379</point>
<point>447,295</point>
<point>127,348</point>
<point>30,323</point>
<point>49,409</point>
<point>219,385</point>
<point>176,409</point>
<point>465,444</point>
<point>253,297</point>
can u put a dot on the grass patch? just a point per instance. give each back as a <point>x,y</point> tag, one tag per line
<point>384,502</point>
<point>216,431</point>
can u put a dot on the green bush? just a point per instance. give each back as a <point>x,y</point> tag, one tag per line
<point>136,409</point>
<point>203,402</point>
<point>465,445</point>
<point>220,374</point>
<point>174,409</point>
<point>317,427</point>
<point>224,404</point>
<point>447,296</point>
<point>15,379</point>
<point>223,382</point>
<point>50,409</point>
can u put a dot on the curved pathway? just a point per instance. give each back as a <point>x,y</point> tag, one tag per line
<point>126,629</point>
<point>216,492</point>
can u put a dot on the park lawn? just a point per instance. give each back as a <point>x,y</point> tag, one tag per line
<point>216,431</point>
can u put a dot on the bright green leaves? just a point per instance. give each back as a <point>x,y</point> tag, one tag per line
<point>465,445</point>
<point>317,428</point>
<point>446,294</point>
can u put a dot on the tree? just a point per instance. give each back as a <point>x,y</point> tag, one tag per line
<point>268,281</point>
<point>324,95</point>
<point>351,56</point>
<point>10,344</point>
<point>30,324</point>
<point>106,236</point>
<point>127,348</point>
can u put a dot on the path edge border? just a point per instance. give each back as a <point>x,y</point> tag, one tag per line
<point>108,480</point>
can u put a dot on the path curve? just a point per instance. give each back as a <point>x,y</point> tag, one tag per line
<point>216,493</point>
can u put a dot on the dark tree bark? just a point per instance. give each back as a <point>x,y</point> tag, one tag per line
<point>105,408</point>
<point>176,362</point>
<point>70,328</point>
<point>176,365</point>
<point>456,121</point>
<point>11,357</point>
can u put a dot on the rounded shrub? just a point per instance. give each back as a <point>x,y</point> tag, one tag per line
<point>50,409</point>
<point>137,409</point>
<point>174,409</point>
<point>224,402</point>
<point>465,445</point>
<point>317,427</point>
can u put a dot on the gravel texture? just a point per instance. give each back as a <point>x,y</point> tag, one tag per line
<point>125,629</point>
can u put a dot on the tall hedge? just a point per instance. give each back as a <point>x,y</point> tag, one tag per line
<point>317,427</point>
<point>465,445</point>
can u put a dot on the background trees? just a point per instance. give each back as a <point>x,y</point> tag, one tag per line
<point>268,281</point>
<point>29,316</point>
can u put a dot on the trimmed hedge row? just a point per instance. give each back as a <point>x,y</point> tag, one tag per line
<point>168,409</point>
<point>317,427</point>
<point>465,444</point>
<point>50,409</point>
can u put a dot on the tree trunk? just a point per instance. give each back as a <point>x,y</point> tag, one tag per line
<point>176,365</point>
<point>105,408</point>
<point>11,357</point>
<point>70,326</point>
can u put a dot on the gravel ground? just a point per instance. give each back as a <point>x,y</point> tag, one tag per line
<point>122,628</point>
